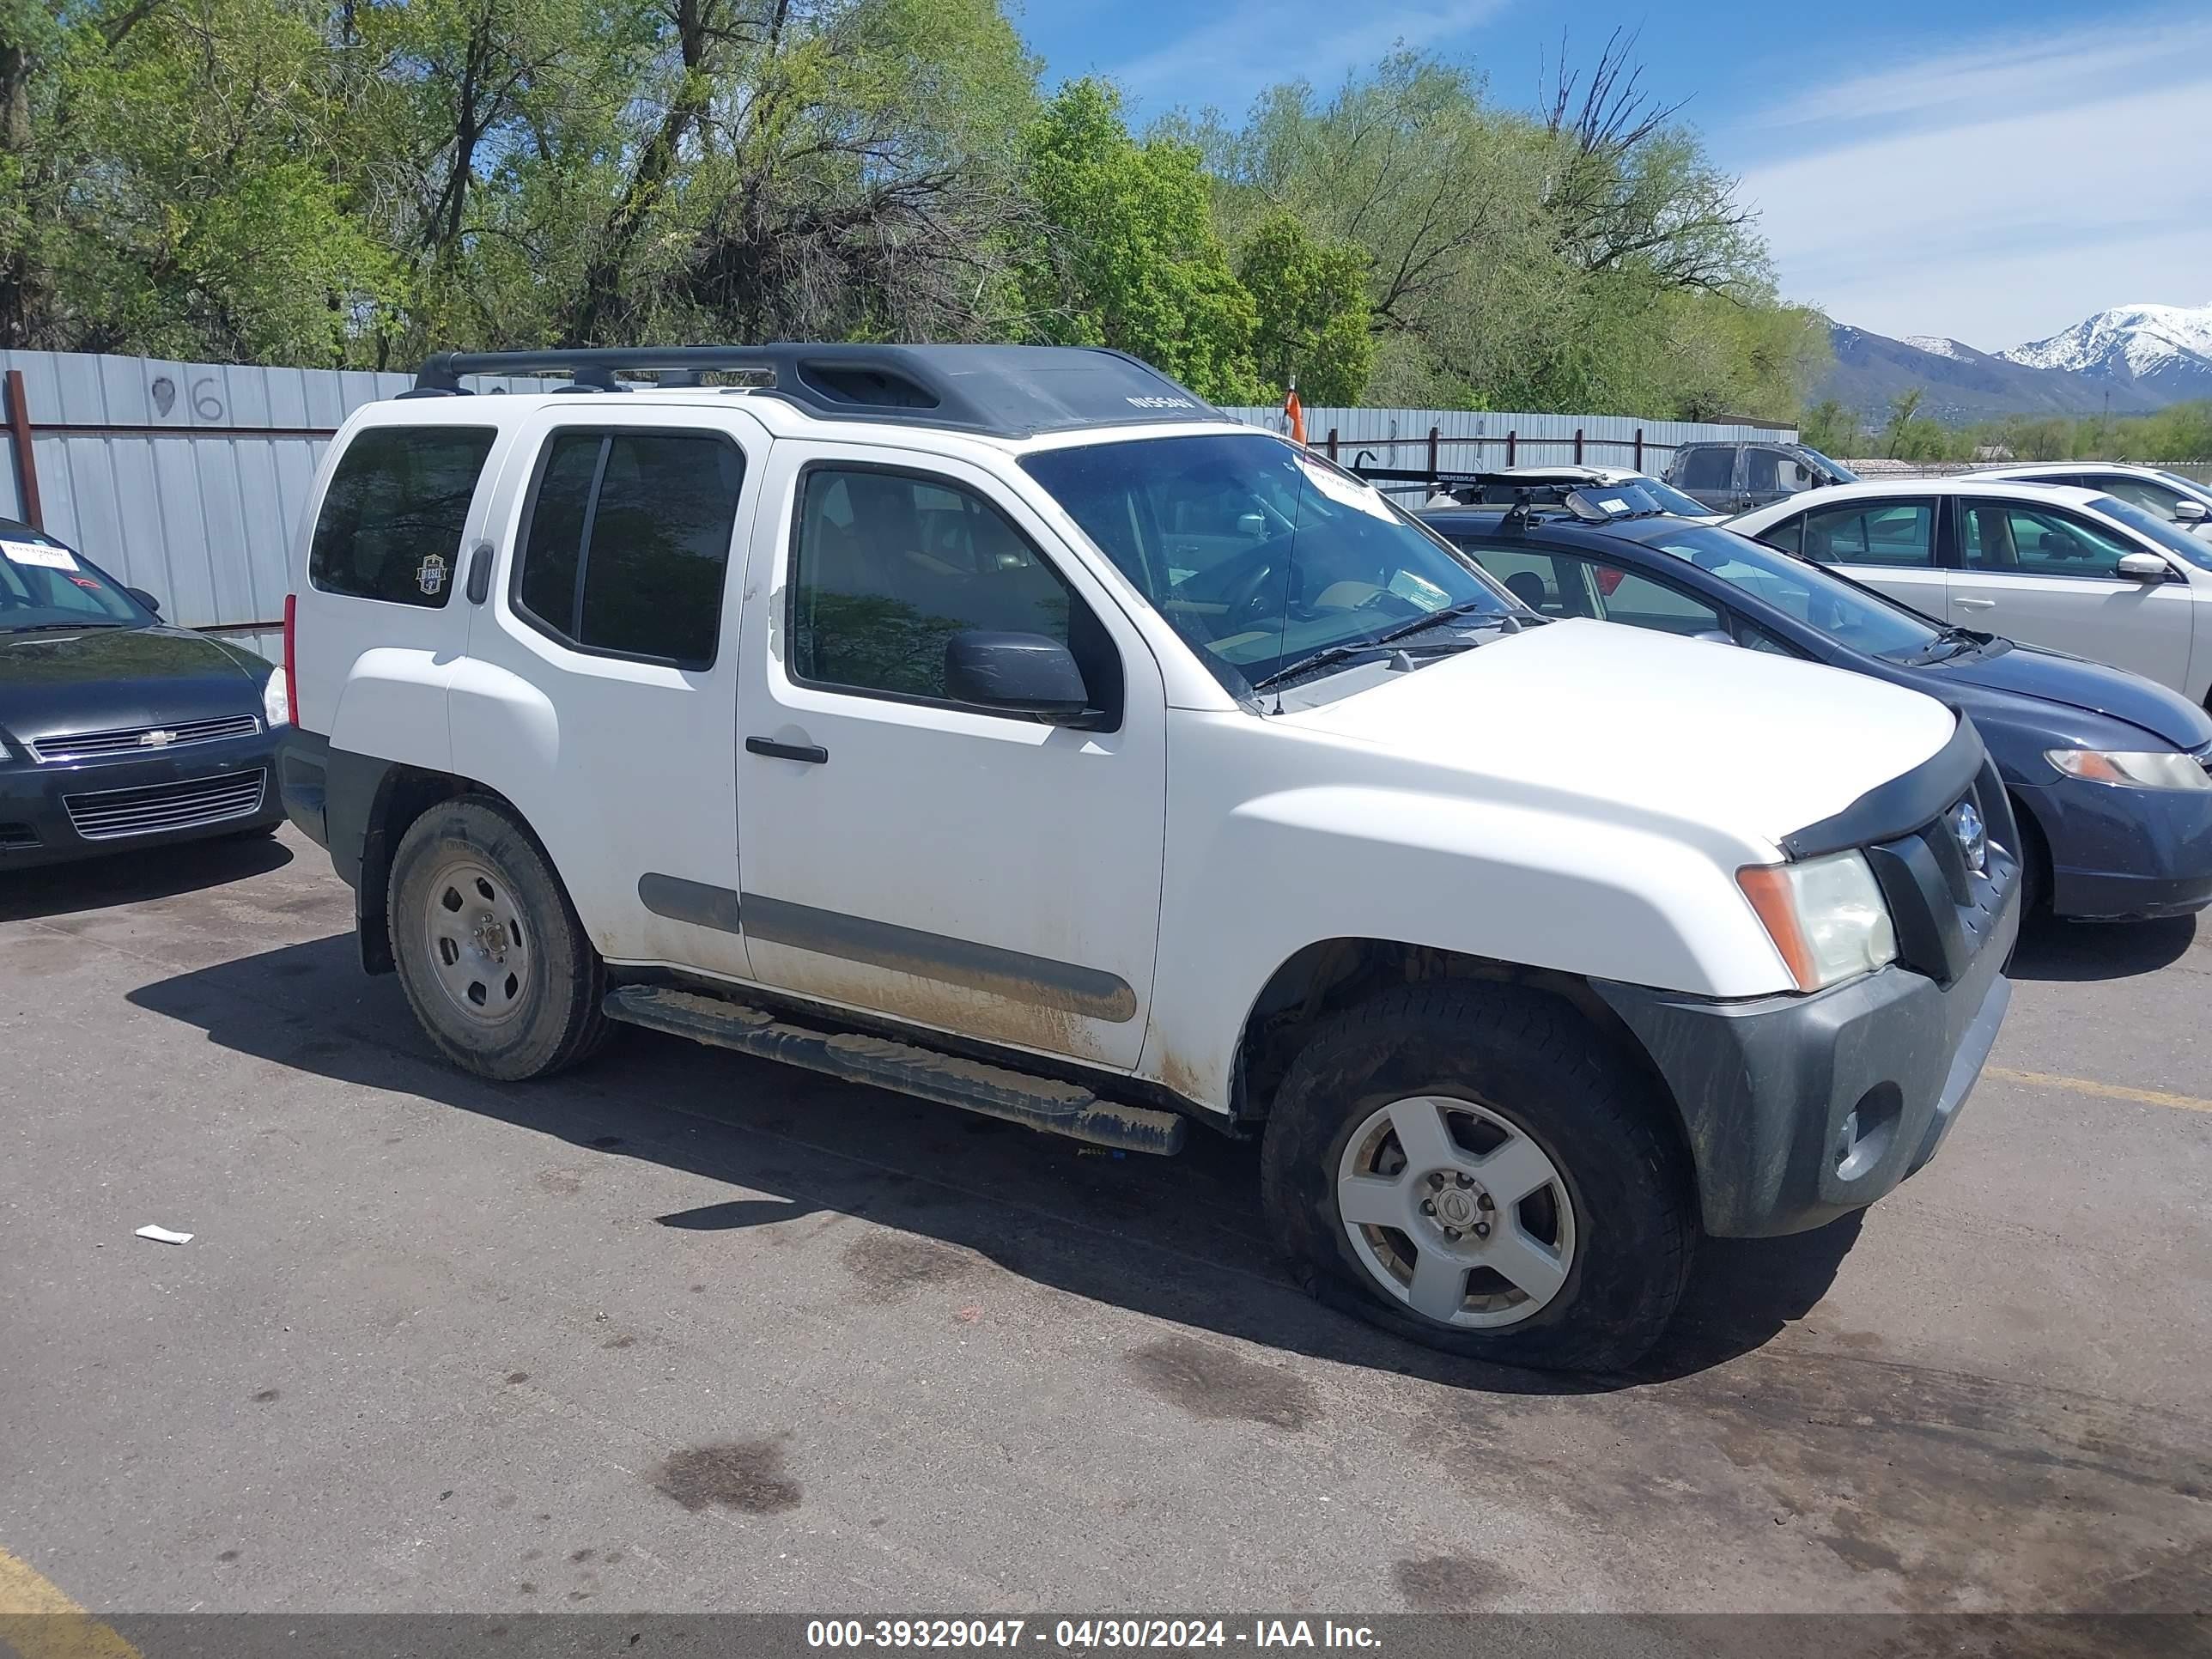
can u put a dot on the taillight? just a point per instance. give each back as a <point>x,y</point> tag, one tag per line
<point>291,669</point>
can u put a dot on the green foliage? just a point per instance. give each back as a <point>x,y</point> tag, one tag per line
<point>2181,432</point>
<point>1130,257</point>
<point>363,181</point>
<point>1830,428</point>
<point>1314,321</point>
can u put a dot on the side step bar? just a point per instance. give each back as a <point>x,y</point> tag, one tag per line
<point>1063,1109</point>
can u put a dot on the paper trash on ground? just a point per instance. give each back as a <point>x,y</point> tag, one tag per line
<point>163,1236</point>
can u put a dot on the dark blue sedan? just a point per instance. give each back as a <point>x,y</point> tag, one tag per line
<point>118,731</point>
<point>2111,775</point>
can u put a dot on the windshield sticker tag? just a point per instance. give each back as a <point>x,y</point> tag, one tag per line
<point>1613,504</point>
<point>37,553</point>
<point>1417,589</point>
<point>432,577</point>
<point>86,581</point>
<point>1346,492</point>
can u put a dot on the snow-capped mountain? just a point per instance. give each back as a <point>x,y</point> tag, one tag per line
<point>2166,350</point>
<point>1941,346</point>
<point>1958,383</point>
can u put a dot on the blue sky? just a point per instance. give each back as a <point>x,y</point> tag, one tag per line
<point>1918,169</point>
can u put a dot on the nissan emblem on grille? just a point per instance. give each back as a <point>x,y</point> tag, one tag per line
<point>1973,837</point>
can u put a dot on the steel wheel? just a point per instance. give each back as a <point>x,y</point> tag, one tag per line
<point>479,952</point>
<point>1456,1211</point>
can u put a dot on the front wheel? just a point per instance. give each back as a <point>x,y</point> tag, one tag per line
<point>492,956</point>
<point>1462,1165</point>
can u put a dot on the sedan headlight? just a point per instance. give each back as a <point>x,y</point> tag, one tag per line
<point>2162,768</point>
<point>275,701</point>
<point>1826,916</point>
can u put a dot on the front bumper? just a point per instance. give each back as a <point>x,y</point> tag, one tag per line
<point>1799,1109</point>
<point>38,827</point>
<point>2120,853</point>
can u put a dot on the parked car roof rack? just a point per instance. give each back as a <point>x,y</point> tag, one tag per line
<point>1010,392</point>
<point>1591,503</point>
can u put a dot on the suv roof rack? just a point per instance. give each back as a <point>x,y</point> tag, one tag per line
<point>1000,391</point>
<point>1577,498</point>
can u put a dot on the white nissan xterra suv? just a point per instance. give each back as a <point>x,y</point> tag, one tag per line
<point>1004,726</point>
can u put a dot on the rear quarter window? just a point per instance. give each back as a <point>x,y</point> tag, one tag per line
<point>391,520</point>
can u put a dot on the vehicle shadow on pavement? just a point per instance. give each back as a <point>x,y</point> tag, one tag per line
<point>2080,950</point>
<point>1178,1239</point>
<point>133,877</point>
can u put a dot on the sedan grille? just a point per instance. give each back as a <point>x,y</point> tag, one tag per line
<point>144,739</point>
<point>110,814</point>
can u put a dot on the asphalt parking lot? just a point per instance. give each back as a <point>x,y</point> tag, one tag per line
<point>686,1331</point>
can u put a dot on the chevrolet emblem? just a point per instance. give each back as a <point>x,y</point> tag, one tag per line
<point>155,739</point>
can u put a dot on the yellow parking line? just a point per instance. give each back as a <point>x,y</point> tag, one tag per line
<point>40,1622</point>
<point>2082,1085</point>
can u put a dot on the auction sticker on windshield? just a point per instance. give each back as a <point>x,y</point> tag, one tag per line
<point>37,553</point>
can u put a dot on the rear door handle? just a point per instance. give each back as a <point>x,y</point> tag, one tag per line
<point>811,754</point>
<point>480,574</point>
<point>1974,604</point>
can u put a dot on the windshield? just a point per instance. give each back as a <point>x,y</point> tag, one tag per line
<point>42,585</point>
<point>2151,527</point>
<point>1844,474</point>
<point>1260,555</point>
<point>1671,500</point>
<point>1851,615</point>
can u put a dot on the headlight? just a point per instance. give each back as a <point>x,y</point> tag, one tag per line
<point>2164,768</point>
<point>276,701</point>
<point>1826,915</point>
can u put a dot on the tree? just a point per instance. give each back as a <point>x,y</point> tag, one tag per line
<point>170,186</point>
<point>1311,301</point>
<point>1830,428</point>
<point>1127,255</point>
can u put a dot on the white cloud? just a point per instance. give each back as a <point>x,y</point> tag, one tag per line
<point>1258,43</point>
<point>1994,77</point>
<point>2012,208</point>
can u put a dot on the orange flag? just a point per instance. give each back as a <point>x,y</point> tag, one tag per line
<point>1295,413</point>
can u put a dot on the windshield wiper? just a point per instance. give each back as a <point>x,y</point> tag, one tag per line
<point>1512,621</point>
<point>1960,639</point>
<point>49,628</point>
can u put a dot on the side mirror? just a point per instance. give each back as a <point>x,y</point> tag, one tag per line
<point>2144,567</point>
<point>145,599</point>
<point>1252,526</point>
<point>1714,635</point>
<point>2189,512</point>
<point>1014,673</point>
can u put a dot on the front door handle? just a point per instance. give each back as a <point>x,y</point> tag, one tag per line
<point>1975,605</point>
<point>811,754</point>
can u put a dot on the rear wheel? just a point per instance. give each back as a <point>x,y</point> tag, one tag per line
<point>492,956</point>
<point>1461,1166</point>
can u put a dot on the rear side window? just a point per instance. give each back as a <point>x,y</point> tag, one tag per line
<point>1707,469</point>
<point>1899,533</point>
<point>391,520</point>
<point>628,543</point>
<point>1788,535</point>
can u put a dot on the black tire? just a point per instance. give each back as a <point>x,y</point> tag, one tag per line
<point>556,1019</point>
<point>2034,863</point>
<point>1532,1060</point>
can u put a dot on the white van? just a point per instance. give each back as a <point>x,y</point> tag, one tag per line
<point>1004,726</point>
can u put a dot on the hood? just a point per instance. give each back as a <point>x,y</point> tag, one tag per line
<point>2031,671</point>
<point>1755,746</point>
<point>97,679</point>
